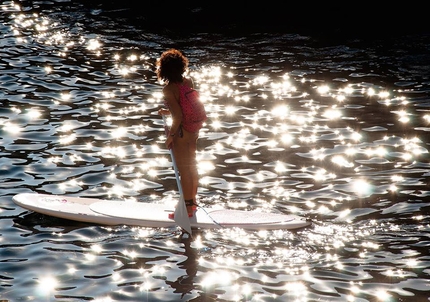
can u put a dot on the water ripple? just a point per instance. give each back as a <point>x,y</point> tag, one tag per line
<point>334,132</point>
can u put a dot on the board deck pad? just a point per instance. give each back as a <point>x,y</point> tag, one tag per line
<point>119,212</point>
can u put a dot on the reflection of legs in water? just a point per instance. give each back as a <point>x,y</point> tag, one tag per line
<point>184,150</point>
<point>184,284</point>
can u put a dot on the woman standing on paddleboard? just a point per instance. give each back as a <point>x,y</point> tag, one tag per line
<point>183,133</point>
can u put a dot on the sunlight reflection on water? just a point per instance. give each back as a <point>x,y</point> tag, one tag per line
<point>81,119</point>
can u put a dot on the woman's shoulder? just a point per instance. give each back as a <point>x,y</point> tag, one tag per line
<point>173,87</point>
<point>169,89</point>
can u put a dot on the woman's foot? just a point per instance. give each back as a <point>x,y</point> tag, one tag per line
<point>172,215</point>
<point>191,208</point>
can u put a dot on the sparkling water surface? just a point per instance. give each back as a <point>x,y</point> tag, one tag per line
<point>333,130</point>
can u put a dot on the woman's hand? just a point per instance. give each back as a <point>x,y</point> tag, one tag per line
<point>163,111</point>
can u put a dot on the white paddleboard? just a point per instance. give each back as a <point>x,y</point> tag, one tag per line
<point>117,212</point>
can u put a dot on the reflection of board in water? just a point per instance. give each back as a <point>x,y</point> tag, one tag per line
<point>116,212</point>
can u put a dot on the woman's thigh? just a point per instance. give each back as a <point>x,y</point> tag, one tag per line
<point>185,148</point>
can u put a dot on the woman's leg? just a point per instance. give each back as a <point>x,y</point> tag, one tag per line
<point>184,150</point>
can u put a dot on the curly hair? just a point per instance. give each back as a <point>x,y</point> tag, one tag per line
<point>171,65</point>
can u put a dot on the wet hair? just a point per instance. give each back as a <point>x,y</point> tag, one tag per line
<point>171,65</point>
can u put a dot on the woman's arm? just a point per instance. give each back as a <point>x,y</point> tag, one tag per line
<point>171,96</point>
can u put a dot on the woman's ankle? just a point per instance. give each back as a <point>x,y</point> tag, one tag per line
<point>191,206</point>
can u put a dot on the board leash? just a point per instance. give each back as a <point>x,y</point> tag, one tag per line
<point>213,220</point>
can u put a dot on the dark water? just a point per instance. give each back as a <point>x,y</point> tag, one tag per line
<point>334,128</point>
